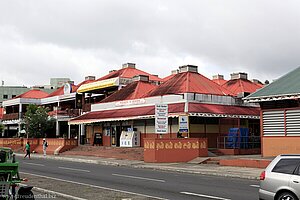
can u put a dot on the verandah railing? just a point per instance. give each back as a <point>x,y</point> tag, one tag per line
<point>238,142</point>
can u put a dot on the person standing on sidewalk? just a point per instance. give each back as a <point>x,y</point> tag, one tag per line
<point>27,149</point>
<point>45,145</point>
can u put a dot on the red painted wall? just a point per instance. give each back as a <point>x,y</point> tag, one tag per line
<point>174,150</point>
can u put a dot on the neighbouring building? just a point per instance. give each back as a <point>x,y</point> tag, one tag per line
<point>10,92</point>
<point>69,100</point>
<point>14,110</point>
<point>280,114</point>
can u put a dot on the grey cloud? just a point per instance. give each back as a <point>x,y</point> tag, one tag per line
<point>78,38</point>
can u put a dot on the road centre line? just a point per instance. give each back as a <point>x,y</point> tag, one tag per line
<point>55,193</point>
<point>73,169</point>
<point>94,186</point>
<point>203,195</point>
<point>255,186</point>
<point>142,178</point>
<point>36,164</point>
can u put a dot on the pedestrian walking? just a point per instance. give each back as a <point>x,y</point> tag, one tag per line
<point>27,149</point>
<point>45,145</point>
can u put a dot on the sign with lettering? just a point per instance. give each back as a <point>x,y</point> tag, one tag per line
<point>183,123</point>
<point>161,118</point>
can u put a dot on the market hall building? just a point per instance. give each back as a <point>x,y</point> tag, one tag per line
<point>280,115</point>
<point>210,108</point>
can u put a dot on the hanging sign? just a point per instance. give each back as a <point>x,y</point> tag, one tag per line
<point>161,118</point>
<point>183,123</point>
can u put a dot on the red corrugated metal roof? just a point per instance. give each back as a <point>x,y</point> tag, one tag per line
<point>223,109</point>
<point>126,113</point>
<point>1,113</point>
<point>219,81</point>
<point>85,82</point>
<point>60,91</point>
<point>237,86</point>
<point>134,90</point>
<point>129,73</point>
<point>33,94</point>
<point>189,82</point>
<point>168,77</point>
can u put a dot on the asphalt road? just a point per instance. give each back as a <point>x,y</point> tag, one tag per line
<point>91,181</point>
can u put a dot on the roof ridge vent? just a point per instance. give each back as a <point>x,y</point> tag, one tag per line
<point>188,68</point>
<point>176,71</point>
<point>239,75</point>
<point>113,70</point>
<point>218,77</point>
<point>128,65</point>
<point>141,77</point>
<point>90,78</point>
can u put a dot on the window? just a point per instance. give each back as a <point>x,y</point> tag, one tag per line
<point>13,96</point>
<point>286,166</point>
<point>5,96</point>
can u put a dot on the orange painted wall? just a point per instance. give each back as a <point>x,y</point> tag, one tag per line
<point>12,143</point>
<point>174,150</point>
<point>154,136</point>
<point>273,146</point>
<point>36,144</point>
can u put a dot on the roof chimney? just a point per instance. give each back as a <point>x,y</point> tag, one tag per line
<point>90,78</point>
<point>176,71</point>
<point>256,81</point>
<point>218,77</point>
<point>188,68</point>
<point>144,78</point>
<point>240,75</point>
<point>113,70</point>
<point>128,65</point>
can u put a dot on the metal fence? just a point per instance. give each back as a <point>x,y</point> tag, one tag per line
<point>238,142</point>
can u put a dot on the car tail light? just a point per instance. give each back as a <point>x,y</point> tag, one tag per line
<point>262,176</point>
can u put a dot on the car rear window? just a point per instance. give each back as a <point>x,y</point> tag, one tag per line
<point>286,165</point>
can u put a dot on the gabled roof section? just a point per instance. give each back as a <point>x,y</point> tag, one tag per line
<point>33,94</point>
<point>129,73</point>
<point>84,82</point>
<point>237,86</point>
<point>134,90</point>
<point>285,87</point>
<point>60,91</point>
<point>189,82</point>
<point>219,81</point>
<point>168,77</point>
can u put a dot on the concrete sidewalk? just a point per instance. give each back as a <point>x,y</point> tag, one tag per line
<point>193,168</point>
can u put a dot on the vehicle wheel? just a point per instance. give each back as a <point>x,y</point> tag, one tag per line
<point>287,196</point>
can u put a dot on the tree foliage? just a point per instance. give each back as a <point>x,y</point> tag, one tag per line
<point>1,128</point>
<point>36,121</point>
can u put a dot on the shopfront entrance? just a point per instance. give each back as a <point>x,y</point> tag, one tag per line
<point>116,134</point>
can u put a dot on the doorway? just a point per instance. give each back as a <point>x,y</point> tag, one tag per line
<point>115,136</point>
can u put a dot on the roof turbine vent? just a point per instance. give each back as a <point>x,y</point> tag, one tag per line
<point>188,68</point>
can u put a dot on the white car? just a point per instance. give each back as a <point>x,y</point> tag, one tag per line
<point>281,179</point>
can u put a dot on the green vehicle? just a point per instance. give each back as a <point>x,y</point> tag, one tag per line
<point>10,178</point>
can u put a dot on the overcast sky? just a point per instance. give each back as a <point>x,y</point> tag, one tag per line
<point>40,39</point>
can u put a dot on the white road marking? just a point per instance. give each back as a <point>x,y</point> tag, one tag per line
<point>73,169</point>
<point>203,195</point>
<point>36,164</point>
<point>255,186</point>
<point>95,186</point>
<point>55,193</point>
<point>136,177</point>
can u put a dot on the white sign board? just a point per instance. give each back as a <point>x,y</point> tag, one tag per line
<point>161,118</point>
<point>183,123</point>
